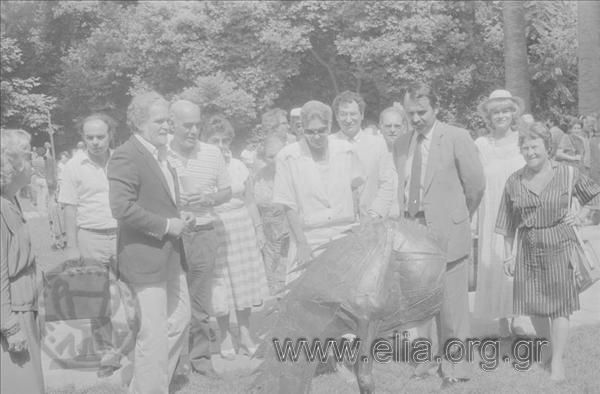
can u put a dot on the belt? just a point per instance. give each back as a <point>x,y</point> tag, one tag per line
<point>418,215</point>
<point>103,231</point>
<point>203,227</point>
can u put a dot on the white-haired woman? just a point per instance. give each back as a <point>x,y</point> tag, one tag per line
<point>500,156</point>
<point>20,354</point>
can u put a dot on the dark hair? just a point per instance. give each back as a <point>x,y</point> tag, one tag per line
<point>107,120</point>
<point>532,131</point>
<point>418,90</point>
<point>217,124</point>
<point>348,97</point>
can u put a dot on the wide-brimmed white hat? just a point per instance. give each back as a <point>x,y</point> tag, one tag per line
<point>499,95</point>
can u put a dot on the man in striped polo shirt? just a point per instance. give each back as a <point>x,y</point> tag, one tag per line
<point>204,183</point>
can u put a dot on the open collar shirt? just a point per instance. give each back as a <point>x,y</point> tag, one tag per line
<point>84,184</point>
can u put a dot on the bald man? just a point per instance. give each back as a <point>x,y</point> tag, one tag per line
<point>89,225</point>
<point>392,123</point>
<point>204,183</point>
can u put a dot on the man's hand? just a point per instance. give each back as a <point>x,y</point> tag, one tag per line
<point>189,219</point>
<point>17,342</point>
<point>176,227</point>
<point>304,253</point>
<point>72,253</point>
<point>197,200</point>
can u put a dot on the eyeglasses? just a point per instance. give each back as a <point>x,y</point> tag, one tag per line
<point>316,131</point>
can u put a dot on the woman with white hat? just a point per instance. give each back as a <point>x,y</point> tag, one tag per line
<point>500,156</point>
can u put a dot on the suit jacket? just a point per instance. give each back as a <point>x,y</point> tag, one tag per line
<point>453,185</point>
<point>141,202</point>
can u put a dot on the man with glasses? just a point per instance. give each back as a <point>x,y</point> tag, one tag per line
<point>204,183</point>
<point>314,181</point>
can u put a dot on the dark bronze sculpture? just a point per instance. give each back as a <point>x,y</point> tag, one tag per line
<point>382,277</point>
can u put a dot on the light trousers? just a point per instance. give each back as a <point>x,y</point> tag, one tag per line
<point>164,316</point>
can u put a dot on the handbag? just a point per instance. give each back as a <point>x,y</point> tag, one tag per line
<point>77,290</point>
<point>584,259</point>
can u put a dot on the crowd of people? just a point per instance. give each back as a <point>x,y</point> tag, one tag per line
<point>196,232</point>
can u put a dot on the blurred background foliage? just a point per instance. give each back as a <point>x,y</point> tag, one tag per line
<point>243,57</point>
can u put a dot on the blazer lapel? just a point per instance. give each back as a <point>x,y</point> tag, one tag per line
<point>153,165</point>
<point>434,152</point>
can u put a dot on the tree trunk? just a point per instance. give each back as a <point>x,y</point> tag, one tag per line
<point>588,53</point>
<point>516,70</point>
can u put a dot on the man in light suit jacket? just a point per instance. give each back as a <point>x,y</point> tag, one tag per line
<point>143,198</point>
<point>440,184</point>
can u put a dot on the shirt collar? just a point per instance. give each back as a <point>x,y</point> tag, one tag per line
<point>429,135</point>
<point>85,157</point>
<point>356,137</point>
<point>153,149</point>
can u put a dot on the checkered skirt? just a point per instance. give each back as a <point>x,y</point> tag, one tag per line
<point>239,279</point>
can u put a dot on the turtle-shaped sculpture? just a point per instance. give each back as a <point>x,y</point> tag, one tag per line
<point>378,279</point>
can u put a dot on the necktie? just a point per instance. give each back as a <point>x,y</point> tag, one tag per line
<point>414,191</point>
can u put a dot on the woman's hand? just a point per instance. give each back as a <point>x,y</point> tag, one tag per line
<point>261,239</point>
<point>509,266</point>
<point>571,219</point>
<point>17,342</point>
<point>304,253</point>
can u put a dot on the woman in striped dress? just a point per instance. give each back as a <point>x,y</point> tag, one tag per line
<point>239,280</point>
<point>535,202</point>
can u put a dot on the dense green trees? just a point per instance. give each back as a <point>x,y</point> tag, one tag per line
<point>242,57</point>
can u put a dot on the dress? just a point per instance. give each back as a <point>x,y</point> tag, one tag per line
<point>493,298</point>
<point>21,371</point>
<point>239,279</point>
<point>544,283</point>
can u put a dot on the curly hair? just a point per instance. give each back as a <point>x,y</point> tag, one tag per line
<point>533,131</point>
<point>15,145</point>
<point>217,124</point>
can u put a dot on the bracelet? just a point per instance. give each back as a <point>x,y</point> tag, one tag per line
<point>506,260</point>
<point>258,225</point>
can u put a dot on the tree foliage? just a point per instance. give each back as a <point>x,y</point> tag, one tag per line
<point>243,57</point>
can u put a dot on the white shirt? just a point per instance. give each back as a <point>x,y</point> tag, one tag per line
<point>425,146</point>
<point>84,184</point>
<point>162,163</point>
<point>299,184</point>
<point>377,193</point>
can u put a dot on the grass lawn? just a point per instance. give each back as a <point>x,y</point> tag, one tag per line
<point>583,372</point>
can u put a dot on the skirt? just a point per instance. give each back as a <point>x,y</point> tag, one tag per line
<point>545,283</point>
<point>239,279</point>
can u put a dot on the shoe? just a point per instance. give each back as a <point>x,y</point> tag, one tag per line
<point>448,382</point>
<point>227,354</point>
<point>247,351</point>
<point>208,372</point>
<point>106,371</point>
